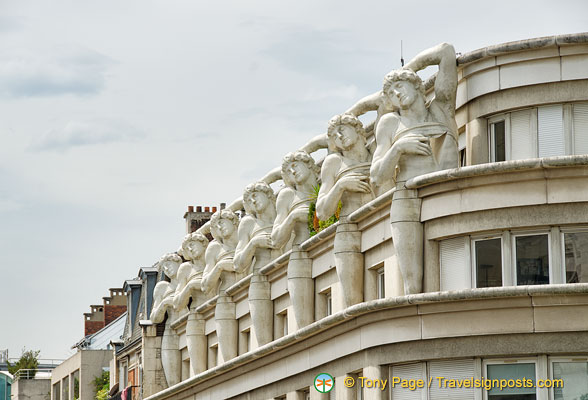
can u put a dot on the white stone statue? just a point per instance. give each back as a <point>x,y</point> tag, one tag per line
<point>300,174</point>
<point>345,178</point>
<point>190,287</point>
<point>419,138</point>
<point>163,298</point>
<point>219,275</point>
<point>254,251</point>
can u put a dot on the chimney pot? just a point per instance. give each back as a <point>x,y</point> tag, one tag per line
<point>223,206</point>
<point>206,209</point>
<point>213,209</point>
<point>190,208</point>
<point>198,208</point>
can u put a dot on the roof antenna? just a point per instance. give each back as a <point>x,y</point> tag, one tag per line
<point>401,58</point>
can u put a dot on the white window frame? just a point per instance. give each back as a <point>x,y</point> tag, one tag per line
<point>572,126</point>
<point>514,252</point>
<point>491,139</point>
<point>517,360</point>
<point>550,362</point>
<point>479,238</point>
<point>381,283</point>
<point>563,231</point>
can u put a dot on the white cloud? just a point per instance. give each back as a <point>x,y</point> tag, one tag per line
<point>51,71</point>
<point>87,132</point>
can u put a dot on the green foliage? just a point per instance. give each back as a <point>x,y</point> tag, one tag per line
<point>29,359</point>
<point>102,385</point>
<point>76,388</point>
<point>315,225</point>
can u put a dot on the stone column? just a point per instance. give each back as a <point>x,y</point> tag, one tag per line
<point>295,395</point>
<point>261,308</point>
<point>171,357</point>
<point>227,328</point>
<point>301,286</point>
<point>196,342</point>
<point>314,395</point>
<point>343,392</point>
<point>376,372</point>
<point>349,262</point>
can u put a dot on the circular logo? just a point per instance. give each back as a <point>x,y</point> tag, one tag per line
<point>324,383</point>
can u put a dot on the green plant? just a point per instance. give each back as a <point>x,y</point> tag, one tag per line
<point>76,388</point>
<point>315,225</point>
<point>102,385</point>
<point>29,359</point>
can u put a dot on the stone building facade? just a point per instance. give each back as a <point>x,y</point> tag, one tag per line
<point>504,265</point>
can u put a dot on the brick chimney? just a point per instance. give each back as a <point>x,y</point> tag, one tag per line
<point>101,315</point>
<point>195,219</point>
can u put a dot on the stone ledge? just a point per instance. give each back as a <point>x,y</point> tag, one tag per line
<point>496,168</point>
<point>369,307</point>
<point>522,45</point>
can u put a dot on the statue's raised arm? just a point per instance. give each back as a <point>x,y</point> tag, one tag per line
<point>442,55</point>
<point>420,137</point>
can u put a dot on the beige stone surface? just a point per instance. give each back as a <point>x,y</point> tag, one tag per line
<point>529,72</point>
<point>556,319</point>
<point>574,67</point>
<point>483,82</point>
<point>391,331</point>
<point>477,322</point>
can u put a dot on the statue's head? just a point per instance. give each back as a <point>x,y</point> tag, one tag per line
<point>344,132</point>
<point>223,224</point>
<point>194,245</point>
<point>257,197</point>
<point>169,264</point>
<point>402,87</point>
<point>298,167</point>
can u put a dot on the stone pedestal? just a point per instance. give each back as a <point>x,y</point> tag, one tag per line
<point>153,379</point>
<point>261,308</point>
<point>171,358</point>
<point>226,327</point>
<point>301,286</point>
<point>196,342</point>
<point>349,262</point>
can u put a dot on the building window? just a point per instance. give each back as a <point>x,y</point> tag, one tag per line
<point>532,259</point>
<point>245,341</point>
<point>498,141</point>
<point>281,324</point>
<point>123,377</point>
<point>523,370</point>
<point>576,257</point>
<point>574,374</point>
<point>454,264</point>
<point>213,356</point>
<point>381,283</point>
<point>329,299</point>
<point>488,262</point>
<point>545,131</point>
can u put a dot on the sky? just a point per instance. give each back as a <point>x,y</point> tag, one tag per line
<point>116,115</point>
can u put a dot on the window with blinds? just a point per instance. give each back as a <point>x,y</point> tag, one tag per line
<point>546,131</point>
<point>408,372</point>
<point>450,369</point>
<point>455,265</point>
<point>580,128</point>
<point>550,131</point>
<point>522,135</point>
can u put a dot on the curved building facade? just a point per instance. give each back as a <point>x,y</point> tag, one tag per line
<point>505,271</point>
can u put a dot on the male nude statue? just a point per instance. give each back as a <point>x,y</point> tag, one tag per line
<point>419,138</point>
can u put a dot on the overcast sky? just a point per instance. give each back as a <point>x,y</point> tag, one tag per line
<point>116,115</point>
